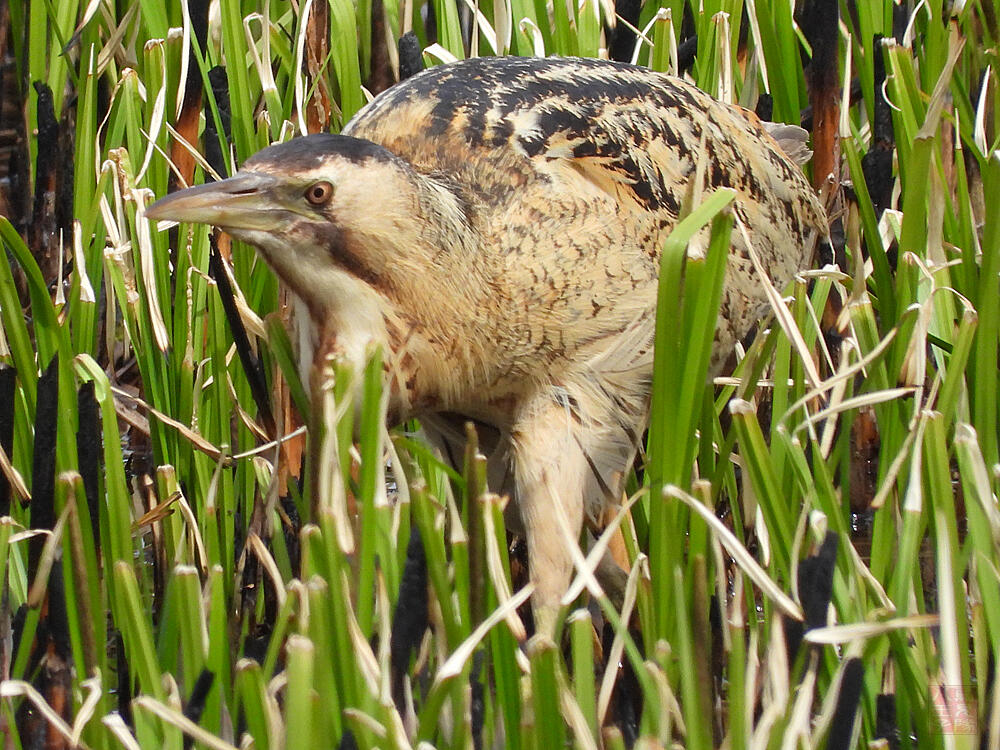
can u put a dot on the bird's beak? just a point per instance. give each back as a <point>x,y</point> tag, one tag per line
<point>246,201</point>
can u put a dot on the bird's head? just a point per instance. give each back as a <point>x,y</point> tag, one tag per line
<point>321,209</point>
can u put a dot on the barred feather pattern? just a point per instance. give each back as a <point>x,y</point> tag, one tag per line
<point>572,173</point>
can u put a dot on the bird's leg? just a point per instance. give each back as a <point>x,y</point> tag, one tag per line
<point>550,470</point>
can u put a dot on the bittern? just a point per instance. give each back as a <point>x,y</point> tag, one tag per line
<point>495,225</point>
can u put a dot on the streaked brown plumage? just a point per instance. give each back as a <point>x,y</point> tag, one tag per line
<point>502,243</point>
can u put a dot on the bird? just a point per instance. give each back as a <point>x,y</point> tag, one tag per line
<point>495,225</point>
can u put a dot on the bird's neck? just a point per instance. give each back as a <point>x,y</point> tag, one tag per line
<point>425,298</point>
<point>442,341</point>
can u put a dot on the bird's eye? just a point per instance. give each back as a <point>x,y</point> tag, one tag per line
<point>319,193</point>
